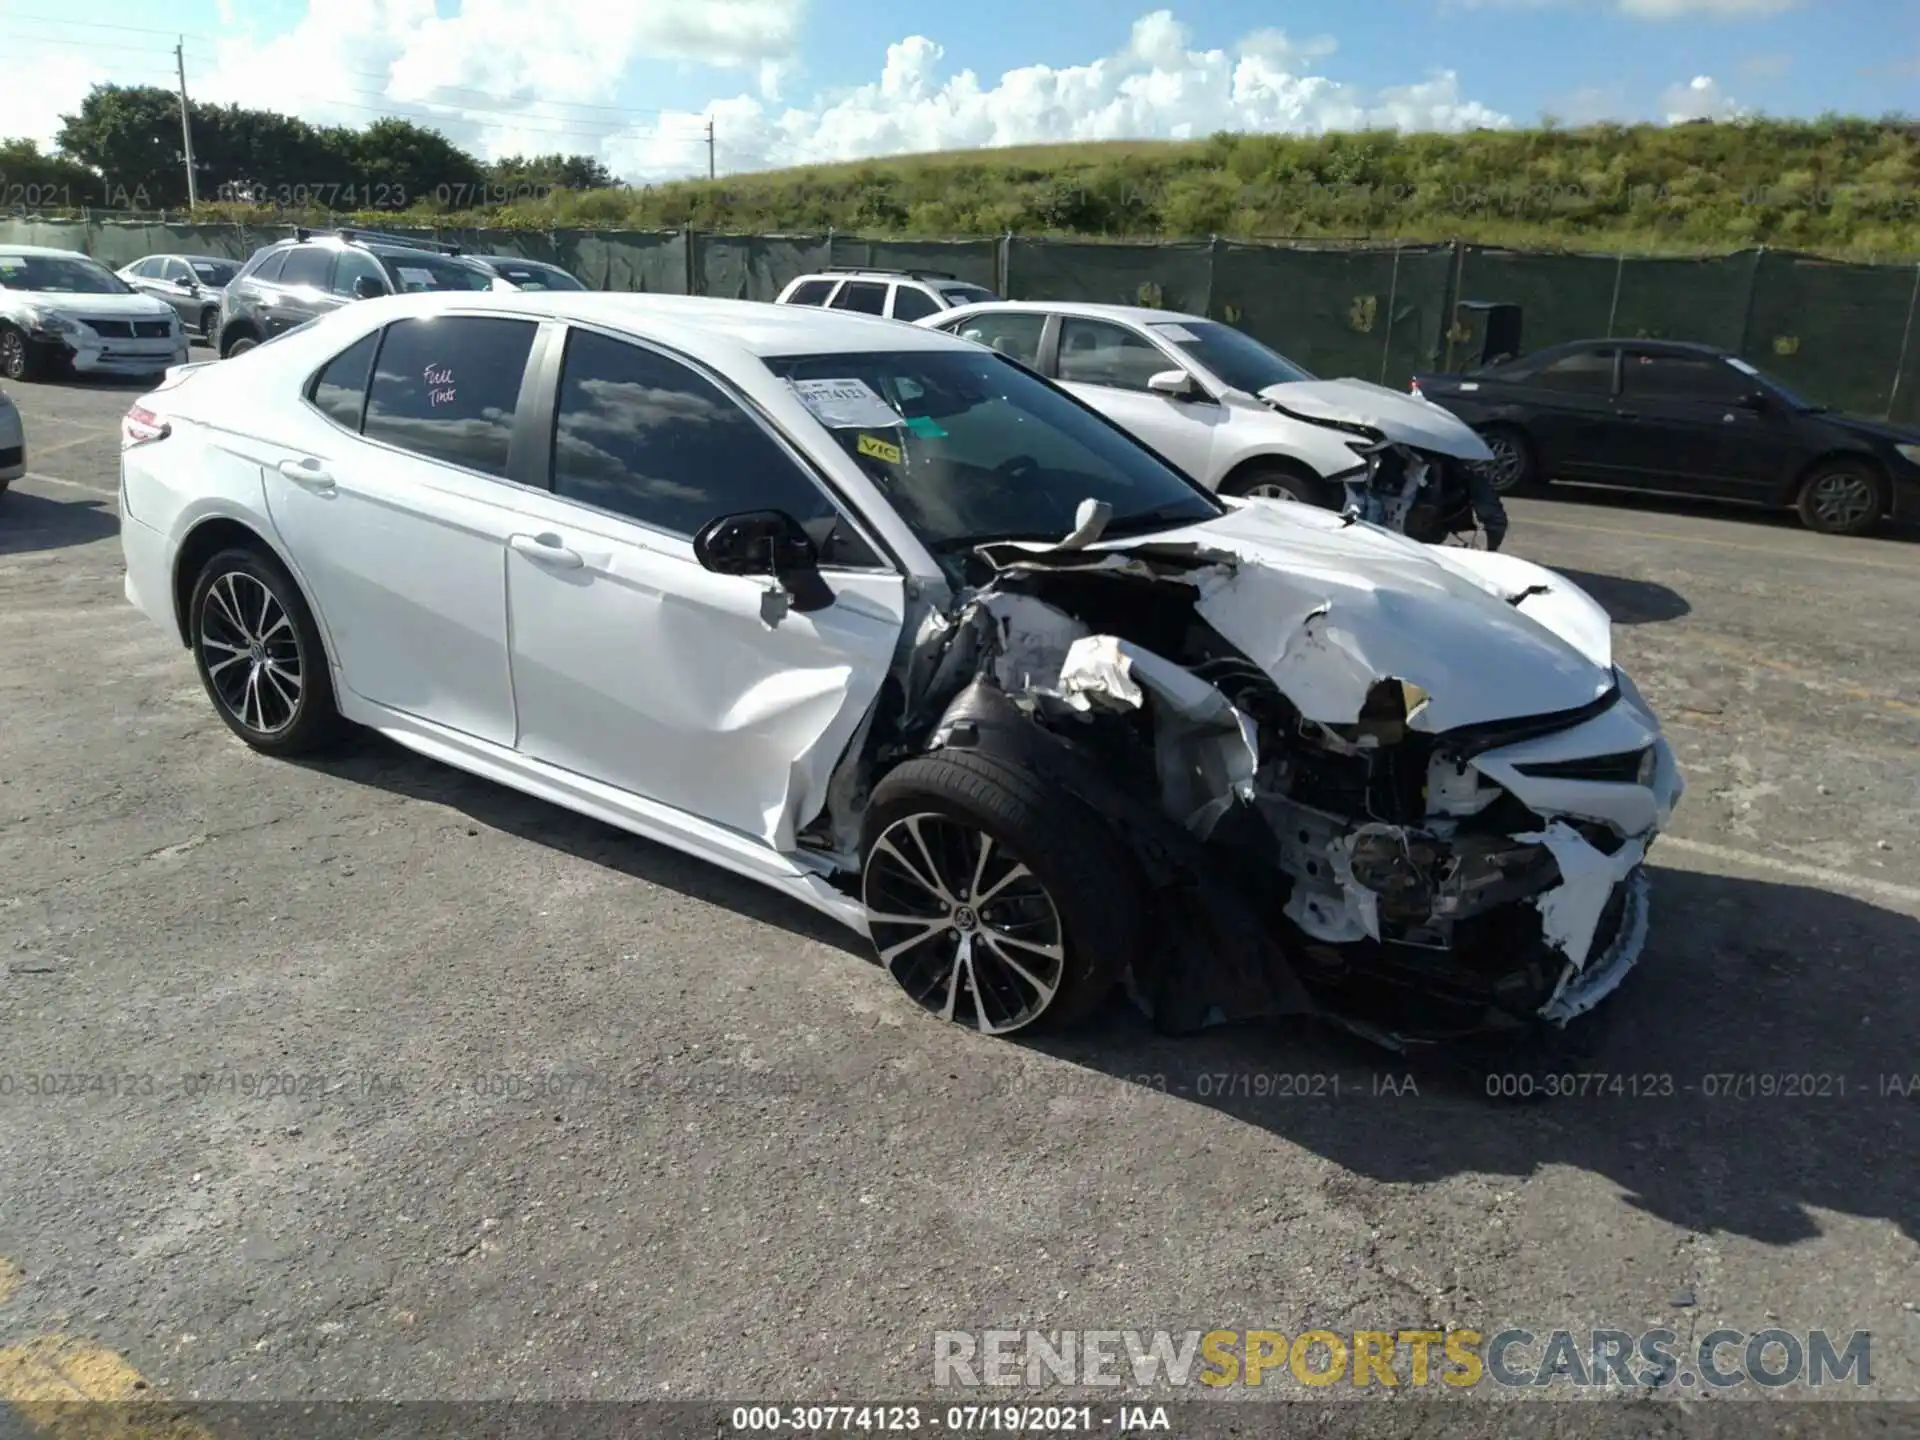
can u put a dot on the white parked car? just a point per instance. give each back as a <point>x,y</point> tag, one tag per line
<point>896,294</point>
<point>62,307</point>
<point>13,443</point>
<point>881,619</point>
<point>1236,415</point>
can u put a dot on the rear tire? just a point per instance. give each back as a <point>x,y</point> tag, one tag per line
<point>209,322</point>
<point>1513,468</point>
<point>1842,497</point>
<point>1279,481</point>
<point>1061,914</point>
<point>260,655</point>
<point>239,347</point>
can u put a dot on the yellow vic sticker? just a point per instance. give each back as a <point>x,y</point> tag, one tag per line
<point>879,449</point>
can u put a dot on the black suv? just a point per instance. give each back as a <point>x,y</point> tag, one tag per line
<point>293,281</point>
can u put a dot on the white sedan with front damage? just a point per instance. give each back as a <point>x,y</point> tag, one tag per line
<point>876,617</point>
<point>1232,412</point>
<point>64,311</point>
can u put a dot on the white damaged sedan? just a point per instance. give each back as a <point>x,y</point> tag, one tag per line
<point>878,617</point>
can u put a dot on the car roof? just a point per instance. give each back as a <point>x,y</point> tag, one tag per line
<point>904,277</point>
<point>1127,314</point>
<point>701,325</point>
<point>509,260</point>
<point>1658,347</point>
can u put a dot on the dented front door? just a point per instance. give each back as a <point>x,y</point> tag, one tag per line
<point>635,666</point>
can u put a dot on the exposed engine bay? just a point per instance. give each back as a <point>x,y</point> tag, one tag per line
<point>1321,832</point>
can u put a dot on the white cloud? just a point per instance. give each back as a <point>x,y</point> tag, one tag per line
<point>1155,87</point>
<point>35,94</point>
<point>1701,98</point>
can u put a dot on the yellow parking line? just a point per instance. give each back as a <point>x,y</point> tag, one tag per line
<point>1808,678</point>
<point>86,439</point>
<point>9,1279</point>
<point>1912,568</point>
<point>68,1389</point>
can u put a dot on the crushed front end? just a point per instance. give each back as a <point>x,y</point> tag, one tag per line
<point>1313,841</point>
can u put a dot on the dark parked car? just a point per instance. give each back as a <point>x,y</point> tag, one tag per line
<point>1683,419</point>
<point>293,281</point>
<point>192,284</point>
<point>528,274</point>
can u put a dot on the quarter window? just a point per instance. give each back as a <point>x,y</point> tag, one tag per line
<point>644,436</point>
<point>269,269</point>
<point>1092,352</point>
<point>865,296</point>
<point>340,390</point>
<point>446,388</point>
<point>910,302</point>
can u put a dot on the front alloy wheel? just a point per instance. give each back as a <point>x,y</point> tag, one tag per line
<point>16,354</point>
<point>968,931</point>
<point>1842,501</point>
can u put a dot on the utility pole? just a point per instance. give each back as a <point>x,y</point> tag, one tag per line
<point>710,164</point>
<point>186,122</point>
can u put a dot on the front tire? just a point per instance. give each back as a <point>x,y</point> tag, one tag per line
<point>209,322</point>
<point>1280,482</point>
<point>20,358</point>
<point>260,656</point>
<point>1842,497</point>
<point>994,900</point>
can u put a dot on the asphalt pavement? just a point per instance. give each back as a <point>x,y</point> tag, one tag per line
<point>367,1080</point>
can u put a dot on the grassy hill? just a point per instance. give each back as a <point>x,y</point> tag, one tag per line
<point>1848,187</point>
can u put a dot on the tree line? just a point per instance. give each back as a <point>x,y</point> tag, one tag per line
<point>123,150</point>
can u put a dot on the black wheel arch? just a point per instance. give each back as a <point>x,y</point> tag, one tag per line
<point>1248,469</point>
<point>206,540</point>
<point>235,330</point>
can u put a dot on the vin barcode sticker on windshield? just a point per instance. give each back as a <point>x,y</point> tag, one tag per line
<point>846,404</point>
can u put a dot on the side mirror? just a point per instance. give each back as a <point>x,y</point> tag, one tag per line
<point>758,542</point>
<point>366,287</point>
<point>1174,384</point>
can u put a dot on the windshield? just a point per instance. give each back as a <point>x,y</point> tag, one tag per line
<point>967,294</point>
<point>1237,358</point>
<point>1787,393</point>
<point>431,272</point>
<point>528,275</point>
<point>970,448</point>
<point>61,274</point>
<point>213,272</point>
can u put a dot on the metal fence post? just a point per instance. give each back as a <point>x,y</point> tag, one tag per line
<point>690,262</point>
<point>1003,266</point>
<point>1613,310</point>
<point>1393,295</point>
<point>1753,294</point>
<point>1450,301</point>
<point>1906,342</point>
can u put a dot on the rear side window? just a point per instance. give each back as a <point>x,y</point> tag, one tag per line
<point>446,388</point>
<point>340,390</point>
<point>1585,372</point>
<point>308,265</point>
<point>811,292</point>
<point>865,296</point>
<point>910,302</point>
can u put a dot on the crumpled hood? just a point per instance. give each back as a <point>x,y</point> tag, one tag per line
<point>1328,609</point>
<point>64,302</point>
<point>1403,418</point>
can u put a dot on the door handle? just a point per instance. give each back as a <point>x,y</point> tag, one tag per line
<point>1627,414</point>
<point>308,473</point>
<point>547,550</point>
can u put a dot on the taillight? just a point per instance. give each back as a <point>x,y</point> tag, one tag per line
<point>1413,388</point>
<point>140,426</point>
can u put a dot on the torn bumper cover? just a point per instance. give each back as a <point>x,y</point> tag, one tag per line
<point>1407,794</point>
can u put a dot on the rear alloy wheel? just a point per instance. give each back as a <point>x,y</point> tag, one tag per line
<point>1511,468</point>
<point>209,322</point>
<point>1842,499</point>
<point>259,655</point>
<point>995,900</point>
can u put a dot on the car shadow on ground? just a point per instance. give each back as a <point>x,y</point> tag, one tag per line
<point>1760,1066</point>
<point>33,522</point>
<point>1703,506</point>
<point>1631,602</point>
<point>129,384</point>
<point>370,759</point>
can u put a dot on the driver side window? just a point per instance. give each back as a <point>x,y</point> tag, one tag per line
<point>354,265</point>
<point>1094,352</point>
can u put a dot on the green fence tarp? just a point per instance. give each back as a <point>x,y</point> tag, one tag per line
<point>629,260</point>
<point>1701,300</point>
<point>1366,313</point>
<point>1561,297</point>
<point>755,267</point>
<point>1831,331</point>
<point>1164,277</point>
<point>976,261</point>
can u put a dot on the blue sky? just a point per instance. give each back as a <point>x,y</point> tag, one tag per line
<point>790,80</point>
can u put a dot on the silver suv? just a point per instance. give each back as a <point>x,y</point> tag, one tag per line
<point>896,294</point>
